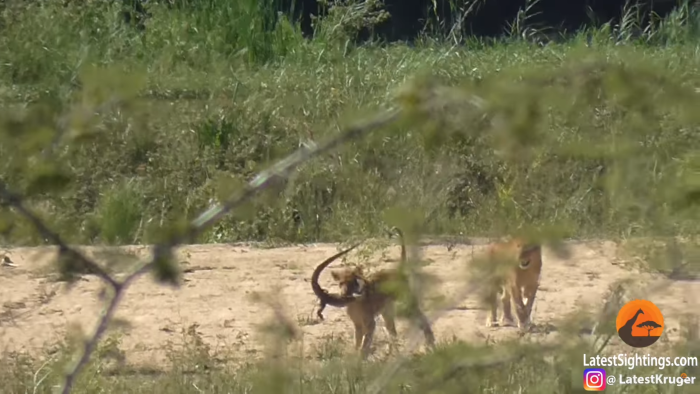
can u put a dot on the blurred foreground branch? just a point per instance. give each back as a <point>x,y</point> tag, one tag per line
<point>163,251</point>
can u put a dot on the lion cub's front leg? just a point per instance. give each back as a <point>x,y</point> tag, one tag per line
<point>365,325</point>
<point>492,318</point>
<point>529,292</point>
<point>370,326</point>
<point>506,310</point>
<point>520,308</point>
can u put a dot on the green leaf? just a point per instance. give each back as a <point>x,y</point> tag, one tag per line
<point>7,221</point>
<point>408,220</point>
<point>69,268</point>
<point>101,84</point>
<point>158,234</point>
<point>117,260</point>
<point>552,235</point>
<point>226,186</point>
<point>165,268</point>
<point>46,178</point>
<point>36,139</point>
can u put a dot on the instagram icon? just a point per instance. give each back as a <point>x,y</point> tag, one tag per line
<point>594,379</point>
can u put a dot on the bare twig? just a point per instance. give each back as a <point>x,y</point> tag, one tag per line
<point>378,385</point>
<point>278,171</point>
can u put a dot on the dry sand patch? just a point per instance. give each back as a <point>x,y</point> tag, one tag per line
<point>217,288</point>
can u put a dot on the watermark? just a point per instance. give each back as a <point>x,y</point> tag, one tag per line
<point>596,379</point>
<point>635,360</point>
<point>640,323</point>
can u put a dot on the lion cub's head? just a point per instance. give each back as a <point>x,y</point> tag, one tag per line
<point>351,280</point>
<point>529,254</point>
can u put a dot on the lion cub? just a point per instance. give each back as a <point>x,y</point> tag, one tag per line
<point>324,297</point>
<point>521,282</point>
<point>367,296</point>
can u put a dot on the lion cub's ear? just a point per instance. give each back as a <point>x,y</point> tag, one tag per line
<point>338,275</point>
<point>360,285</point>
<point>517,243</point>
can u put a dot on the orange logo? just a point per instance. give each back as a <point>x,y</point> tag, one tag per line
<point>640,323</point>
<point>683,375</point>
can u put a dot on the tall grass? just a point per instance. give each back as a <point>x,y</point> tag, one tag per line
<point>206,66</point>
<point>593,136</point>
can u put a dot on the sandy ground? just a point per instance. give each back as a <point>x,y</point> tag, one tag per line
<point>216,296</point>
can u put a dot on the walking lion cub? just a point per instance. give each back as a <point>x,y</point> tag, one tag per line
<point>522,281</point>
<point>367,296</point>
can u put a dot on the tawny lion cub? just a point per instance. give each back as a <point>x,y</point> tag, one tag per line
<point>521,282</point>
<point>366,297</point>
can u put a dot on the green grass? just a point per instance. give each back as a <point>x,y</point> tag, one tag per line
<point>452,368</point>
<point>576,141</point>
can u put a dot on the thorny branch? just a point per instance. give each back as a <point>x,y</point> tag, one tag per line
<point>414,333</point>
<point>277,172</point>
<point>8,197</point>
<point>414,337</point>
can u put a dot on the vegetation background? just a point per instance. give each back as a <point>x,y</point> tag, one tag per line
<point>117,135</point>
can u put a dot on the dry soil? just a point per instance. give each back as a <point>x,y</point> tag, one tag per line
<point>217,300</point>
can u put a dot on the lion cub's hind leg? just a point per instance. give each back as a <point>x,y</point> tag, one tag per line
<point>389,316</point>
<point>507,312</point>
<point>492,318</point>
<point>424,325</point>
